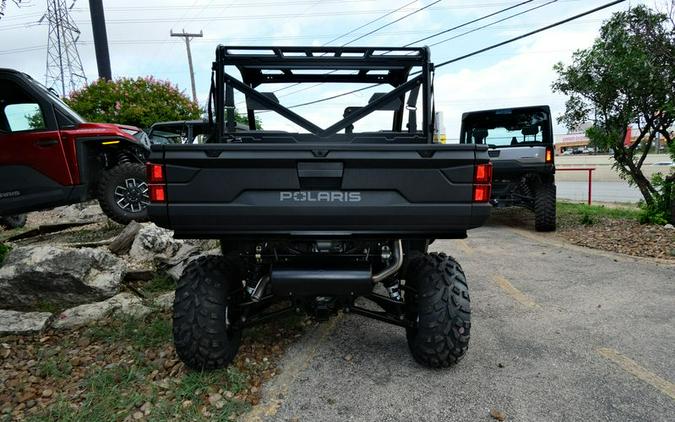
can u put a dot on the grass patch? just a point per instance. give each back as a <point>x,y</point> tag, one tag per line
<point>4,250</point>
<point>111,394</point>
<point>160,283</point>
<point>590,214</point>
<point>141,333</point>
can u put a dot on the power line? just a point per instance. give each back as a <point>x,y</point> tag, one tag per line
<point>434,35</point>
<point>482,50</point>
<point>494,23</point>
<point>454,28</point>
<point>369,22</point>
<point>337,38</point>
<point>393,22</point>
<point>529,34</point>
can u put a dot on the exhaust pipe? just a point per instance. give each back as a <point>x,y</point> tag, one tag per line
<point>392,269</point>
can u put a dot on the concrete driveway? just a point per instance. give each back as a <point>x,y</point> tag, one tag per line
<point>559,333</point>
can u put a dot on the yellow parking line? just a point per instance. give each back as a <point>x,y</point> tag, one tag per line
<point>630,366</point>
<point>465,247</point>
<point>515,293</point>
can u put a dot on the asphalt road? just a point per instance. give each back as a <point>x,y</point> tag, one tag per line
<point>582,335</point>
<point>601,191</point>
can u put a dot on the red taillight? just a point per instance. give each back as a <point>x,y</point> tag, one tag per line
<point>549,155</point>
<point>156,182</point>
<point>482,182</point>
<point>483,173</point>
<point>481,193</point>
<point>157,193</point>
<point>155,173</point>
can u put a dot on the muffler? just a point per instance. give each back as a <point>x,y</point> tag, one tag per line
<point>322,281</point>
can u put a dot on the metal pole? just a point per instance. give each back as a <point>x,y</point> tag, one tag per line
<point>188,37</point>
<point>59,26</point>
<point>100,39</point>
<point>590,183</point>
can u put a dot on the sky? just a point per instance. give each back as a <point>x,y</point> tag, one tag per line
<point>518,74</point>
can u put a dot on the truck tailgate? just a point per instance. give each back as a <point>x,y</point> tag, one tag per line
<point>254,190</point>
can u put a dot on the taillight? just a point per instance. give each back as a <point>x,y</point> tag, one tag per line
<point>155,173</point>
<point>157,193</point>
<point>483,173</point>
<point>482,182</point>
<point>548,159</point>
<point>157,182</point>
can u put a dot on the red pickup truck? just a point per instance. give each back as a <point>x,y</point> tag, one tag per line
<point>49,156</point>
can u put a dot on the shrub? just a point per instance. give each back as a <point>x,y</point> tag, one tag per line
<point>139,102</point>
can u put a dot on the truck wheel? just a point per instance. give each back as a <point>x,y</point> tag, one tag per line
<point>13,221</point>
<point>203,312</point>
<point>439,306</point>
<point>123,193</point>
<point>544,208</point>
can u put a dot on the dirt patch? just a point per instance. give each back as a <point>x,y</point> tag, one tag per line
<point>617,233</point>
<point>128,370</point>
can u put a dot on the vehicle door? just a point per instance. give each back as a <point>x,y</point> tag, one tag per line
<point>34,173</point>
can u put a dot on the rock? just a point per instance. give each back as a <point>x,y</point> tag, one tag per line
<point>164,301</point>
<point>348,358</point>
<point>14,322</point>
<point>215,398</point>
<point>121,304</point>
<point>122,243</point>
<point>47,393</point>
<point>79,212</point>
<point>669,226</point>
<point>33,275</point>
<point>176,271</point>
<point>497,414</point>
<point>138,415</point>
<point>152,241</point>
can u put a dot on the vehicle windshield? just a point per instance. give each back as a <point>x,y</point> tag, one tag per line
<point>504,128</point>
<point>63,107</point>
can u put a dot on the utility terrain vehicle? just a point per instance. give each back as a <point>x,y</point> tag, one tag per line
<point>315,219</point>
<point>49,156</point>
<point>521,151</point>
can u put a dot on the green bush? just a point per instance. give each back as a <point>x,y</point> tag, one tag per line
<point>139,102</point>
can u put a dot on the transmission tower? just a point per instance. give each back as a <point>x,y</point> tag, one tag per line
<point>64,66</point>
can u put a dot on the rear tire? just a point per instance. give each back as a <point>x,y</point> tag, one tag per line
<point>544,208</point>
<point>123,193</point>
<point>203,314</point>
<point>13,221</point>
<point>439,304</point>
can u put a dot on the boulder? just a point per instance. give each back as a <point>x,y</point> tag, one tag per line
<point>155,247</point>
<point>14,322</point>
<point>33,275</point>
<point>123,304</point>
<point>79,212</point>
<point>152,241</point>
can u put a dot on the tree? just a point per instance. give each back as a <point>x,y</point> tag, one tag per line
<point>626,79</point>
<point>3,6</point>
<point>138,102</point>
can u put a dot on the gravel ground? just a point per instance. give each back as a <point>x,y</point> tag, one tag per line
<point>559,332</point>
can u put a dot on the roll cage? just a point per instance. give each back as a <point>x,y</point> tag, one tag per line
<point>392,66</point>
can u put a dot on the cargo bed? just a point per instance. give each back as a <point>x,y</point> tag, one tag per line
<point>319,190</point>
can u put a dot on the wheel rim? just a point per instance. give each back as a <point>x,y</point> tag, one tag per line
<point>132,195</point>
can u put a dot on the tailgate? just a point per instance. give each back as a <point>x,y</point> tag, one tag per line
<point>254,190</point>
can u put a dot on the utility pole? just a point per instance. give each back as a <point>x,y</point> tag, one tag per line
<point>188,37</point>
<point>100,39</point>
